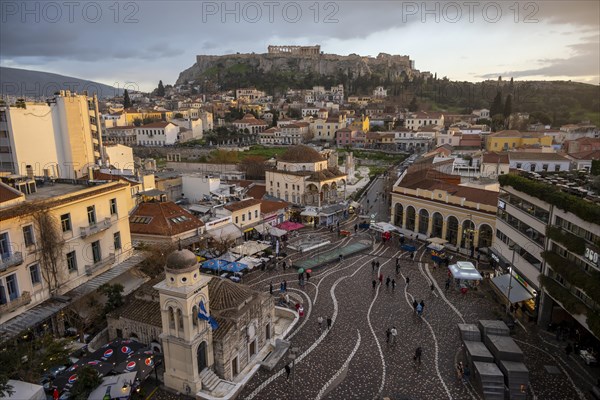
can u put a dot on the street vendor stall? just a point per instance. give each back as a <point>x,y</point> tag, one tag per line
<point>249,248</point>
<point>466,275</point>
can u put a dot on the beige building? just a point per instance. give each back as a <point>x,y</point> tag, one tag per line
<point>302,176</point>
<point>118,156</point>
<point>244,214</point>
<point>61,138</point>
<point>91,231</point>
<point>430,203</point>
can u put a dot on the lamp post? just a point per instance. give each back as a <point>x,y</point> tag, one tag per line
<point>292,356</point>
<point>512,247</point>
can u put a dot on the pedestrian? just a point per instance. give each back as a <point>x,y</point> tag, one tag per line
<point>393,285</point>
<point>290,263</point>
<point>447,284</point>
<point>307,276</point>
<point>287,299</point>
<point>397,269</point>
<point>377,264</point>
<point>415,304</point>
<point>466,374</point>
<point>397,262</point>
<point>55,394</point>
<point>341,257</point>
<point>419,310</point>
<point>284,285</point>
<point>422,304</point>
<point>394,333</point>
<point>373,265</point>
<point>271,288</point>
<point>432,287</point>
<point>412,255</point>
<point>320,322</point>
<point>380,278</point>
<point>288,369</point>
<point>387,282</point>
<point>281,288</point>
<point>374,283</point>
<point>329,322</point>
<point>417,357</point>
<point>407,280</point>
<point>388,334</point>
<point>300,278</point>
<point>459,371</point>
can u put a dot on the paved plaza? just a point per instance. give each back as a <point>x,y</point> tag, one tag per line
<point>352,359</point>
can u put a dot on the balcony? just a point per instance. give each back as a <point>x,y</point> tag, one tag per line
<point>98,227</point>
<point>90,269</point>
<point>10,260</point>
<point>13,305</point>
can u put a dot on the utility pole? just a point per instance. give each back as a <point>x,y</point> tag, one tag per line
<point>512,265</point>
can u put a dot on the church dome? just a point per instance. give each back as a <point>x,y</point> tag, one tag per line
<point>301,154</point>
<point>181,261</point>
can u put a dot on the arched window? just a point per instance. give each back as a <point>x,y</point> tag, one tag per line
<point>195,315</point>
<point>180,318</point>
<point>171,318</point>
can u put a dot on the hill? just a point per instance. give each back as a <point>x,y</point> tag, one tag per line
<point>37,84</point>
<point>275,73</point>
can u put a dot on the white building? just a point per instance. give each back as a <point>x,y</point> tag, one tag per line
<point>198,187</point>
<point>379,92</point>
<point>61,138</point>
<point>119,156</point>
<point>193,124</point>
<point>157,134</point>
<point>417,120</point>
<point>538,162</point>
<point>484,113</point>
<point>119,134</point>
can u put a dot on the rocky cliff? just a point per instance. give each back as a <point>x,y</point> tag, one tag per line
<point>275,71</point>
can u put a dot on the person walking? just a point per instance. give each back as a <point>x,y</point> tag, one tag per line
<point>281,288</point>
<point>288,370</point>
<point>387,282</point>
<point>388,334</point>
<point>307,276</point>
<point>394,333</point>
<point>432,287</point>
<point>283,264</point>
<point>380,278</point>
<point>412,255</point>
<point>407,280</point>
<point>447,284</point>
<point>422,304</point>
<point>459,371</point>
<point>415,304</point>
<point>373,265</point>
<point>284,285</point>
<point>271,288</point>
<point>377,264</point>
<point>417,357</point>
<point>341,257</point>
<point>419,310</point>
<point>355,228</point>
<point>329,323</point>
<point>393,285</point>
<point>569,349</point>
<point>374,283</point>
<point>320,322</point>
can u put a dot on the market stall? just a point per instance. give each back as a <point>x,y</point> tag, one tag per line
<point>290,226</point>
<point>466,275</point>
<point>249,248</point>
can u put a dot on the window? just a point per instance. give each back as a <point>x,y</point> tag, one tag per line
<point>71,262</point>
<point>249,216</point>
<point>34,272</point>
<point>28,235</point>
<point>519,165</point>
<point>277,184</point>
<point>113,206</point>
<point>4,245</point>
<point>243,217</point>
<point>12,287</point>
<point>545,167</point>
<point>557,167</point>
<point>91,213</point>
<point>117,240</point>
<point>255,213</point>
<point>65,222</point>
<point>286,185</point>
<point>96,252</point>
<point>237,220</point>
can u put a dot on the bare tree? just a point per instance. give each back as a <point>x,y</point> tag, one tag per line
<point>220,246</point>
<point>83,313</point>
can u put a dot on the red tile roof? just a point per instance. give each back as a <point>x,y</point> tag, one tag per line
<point>8,193</point>
<point>257,191</point>
<point>240,205</point>
<point>163,219</point>
<point>269,206</point>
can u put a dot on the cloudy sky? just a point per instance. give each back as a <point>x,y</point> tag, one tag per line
<point>139,42</point>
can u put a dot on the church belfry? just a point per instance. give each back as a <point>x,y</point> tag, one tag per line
<point>187,340</point>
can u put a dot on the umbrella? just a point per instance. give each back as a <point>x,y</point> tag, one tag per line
<point>66,379</point>
<point>300,270</point>
<point>141,362</point>
<point>236,266</point>
<point>116,351</point>
<point>309,271</point>
<point>215,264</point>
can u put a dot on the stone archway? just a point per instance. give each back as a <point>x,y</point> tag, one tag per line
<point>437,225</point>
<point>202,357</point>
<point>410,218</point>
<point>423,221</point>
<point>468,233</point>
<point>452,230</point>
<point>486,235</point>
<point>398,214</point>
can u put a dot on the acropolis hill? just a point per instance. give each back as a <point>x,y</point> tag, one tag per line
<point>297,63</point>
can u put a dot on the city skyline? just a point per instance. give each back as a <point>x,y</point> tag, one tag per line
<point>142,43</point>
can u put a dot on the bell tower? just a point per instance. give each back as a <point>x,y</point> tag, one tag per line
<point>186,339</point>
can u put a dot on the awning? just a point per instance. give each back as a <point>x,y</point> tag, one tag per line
<point>517,292</point>
<point>435,247</point>
<point>383,227</point>
<point>465,270</point>
<point>249,248</point>
<point>229,231</point>
<point>354,204</point>
<point>271,230</point>
<point>309,213</point>
<point>290,226</point>
<point>436,240</point>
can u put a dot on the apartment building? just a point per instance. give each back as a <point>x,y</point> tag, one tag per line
<point>548,238</point>
<point>60,138</point>
<point>157,134</point>
<point>57,237</point>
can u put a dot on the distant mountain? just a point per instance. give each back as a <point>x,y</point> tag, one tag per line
<point>37,84</point>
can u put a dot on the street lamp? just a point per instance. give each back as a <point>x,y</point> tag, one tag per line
<point>512,247</point>
<point>292,356</point>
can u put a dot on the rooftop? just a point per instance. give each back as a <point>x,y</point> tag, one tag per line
<point>240,205</point>
<point>163,219</point>
<point>301,154</point>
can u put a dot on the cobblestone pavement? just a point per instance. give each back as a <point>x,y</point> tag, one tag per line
<point>353,361</point>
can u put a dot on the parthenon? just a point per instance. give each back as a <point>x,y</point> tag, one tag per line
<point>300,50</point>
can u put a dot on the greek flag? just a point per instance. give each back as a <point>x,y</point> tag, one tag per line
<point>204,316</point>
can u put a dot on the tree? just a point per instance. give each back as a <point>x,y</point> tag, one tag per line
<point>275,118</point>
<point>413,106</point>
<point>137,122</point>
<point>154,264</point>
<point>497,107</point>
<point>87,380</point>
<point>508,106</point>
<point>114,296</point>
<point>220,246</point>
<point>83,314</point>
<point>160,91</point>
<point>254,167</point>
<point>224,157</point>
<point>126,99</point>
